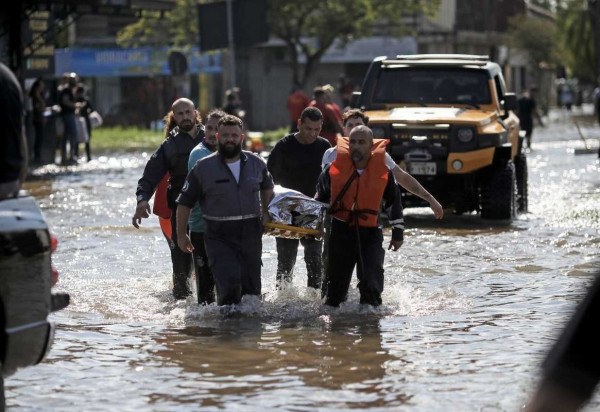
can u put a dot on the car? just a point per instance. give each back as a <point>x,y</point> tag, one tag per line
<point>451,124</point>
<point>26,279</point>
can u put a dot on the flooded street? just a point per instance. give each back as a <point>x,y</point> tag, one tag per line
<point>470,308</point>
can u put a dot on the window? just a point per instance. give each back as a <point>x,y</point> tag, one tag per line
<point>432,86</point>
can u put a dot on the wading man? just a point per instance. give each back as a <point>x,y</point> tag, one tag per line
<point>172,157</point>
<point>357,184</point>
<point>295,163</point>
<point>233,188</point>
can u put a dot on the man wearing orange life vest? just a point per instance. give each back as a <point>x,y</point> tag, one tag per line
<point>357,184</point>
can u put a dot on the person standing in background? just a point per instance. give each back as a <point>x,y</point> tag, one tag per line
<point>346,89</point>
<point>84,108</point>
<point>66,101</point>
<point>332,123</point>
<point>527,110</point>
<point>329,89</point>
<point>296,102</point>
<point>234,103</point>
<point>38,104</point>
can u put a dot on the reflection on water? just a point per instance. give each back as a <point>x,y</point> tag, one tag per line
<point>470,308</point>
<point>236,359</point>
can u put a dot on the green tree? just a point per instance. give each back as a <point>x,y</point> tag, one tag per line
<point>310,27</point>
<point>175,28</point>
<point>577,37</point>
<point>537,37</point>
<point>594,15</point>
<point>547,4</point>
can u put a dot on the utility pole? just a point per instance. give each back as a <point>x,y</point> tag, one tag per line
<point>231,45</point>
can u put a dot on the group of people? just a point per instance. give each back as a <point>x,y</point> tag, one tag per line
<point>355,177</point>
<point>208,168</point>
<point>74,104</point>
<point>218,196</point>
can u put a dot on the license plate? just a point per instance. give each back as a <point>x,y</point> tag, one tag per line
<point>422,168</point>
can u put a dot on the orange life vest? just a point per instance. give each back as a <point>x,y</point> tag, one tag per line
<point>161,207</point>
<point>361,201</point>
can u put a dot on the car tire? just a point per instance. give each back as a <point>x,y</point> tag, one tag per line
<point>522,182</point>
<point>498,193</point>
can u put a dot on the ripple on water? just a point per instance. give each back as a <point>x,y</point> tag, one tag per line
<point>469,309</point>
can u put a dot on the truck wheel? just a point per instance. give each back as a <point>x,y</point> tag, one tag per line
<point>521,172</point>
<point>498,193</point>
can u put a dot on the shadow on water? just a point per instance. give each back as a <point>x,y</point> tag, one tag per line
<point>464,224</point>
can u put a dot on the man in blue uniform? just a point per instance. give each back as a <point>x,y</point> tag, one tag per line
<point>172,157</point>
<point>234,188</point>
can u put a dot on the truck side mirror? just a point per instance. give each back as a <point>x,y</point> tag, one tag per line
<point>354,99</point>
<point>510,101</point>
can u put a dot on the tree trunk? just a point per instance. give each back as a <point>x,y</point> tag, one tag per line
<point>295,65</point>
<point>594,13</point>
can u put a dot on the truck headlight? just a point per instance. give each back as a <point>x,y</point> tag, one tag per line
<point>465,134</point>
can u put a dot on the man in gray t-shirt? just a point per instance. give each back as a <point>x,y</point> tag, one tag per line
<point>233,188</point>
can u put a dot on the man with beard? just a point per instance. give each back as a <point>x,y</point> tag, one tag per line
<point>356,184</point>
<point>172,157</point>
<point>233,188</point>
<point>295,163</point>
<point>204,280</point>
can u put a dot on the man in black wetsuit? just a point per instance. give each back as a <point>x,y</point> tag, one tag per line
<point>295,163</point>
<point>172,157</point>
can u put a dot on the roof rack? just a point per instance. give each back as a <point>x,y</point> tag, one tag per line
<point>437,60</point>
<point>469,57</point>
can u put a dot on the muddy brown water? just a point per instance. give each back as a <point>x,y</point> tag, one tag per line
<point>470,308</point>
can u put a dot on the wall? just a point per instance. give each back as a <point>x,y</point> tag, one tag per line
<point>269,82</point>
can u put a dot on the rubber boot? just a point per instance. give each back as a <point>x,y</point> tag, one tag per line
<point>182,263</point>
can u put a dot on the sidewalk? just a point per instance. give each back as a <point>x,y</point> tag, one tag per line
<point>561,124</point>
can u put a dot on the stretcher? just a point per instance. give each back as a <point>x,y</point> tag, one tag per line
<point>289,231</point>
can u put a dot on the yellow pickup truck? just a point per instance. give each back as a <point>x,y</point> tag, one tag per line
<point>450,122</point>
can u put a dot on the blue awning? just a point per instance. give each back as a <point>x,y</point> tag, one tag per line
<point>143,61</point>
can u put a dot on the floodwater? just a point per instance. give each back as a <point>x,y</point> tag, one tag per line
<point>470,308</point>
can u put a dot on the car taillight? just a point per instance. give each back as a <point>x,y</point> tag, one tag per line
<point>53,243</point>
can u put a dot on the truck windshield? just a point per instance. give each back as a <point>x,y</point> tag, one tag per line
<point>414,85</point>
